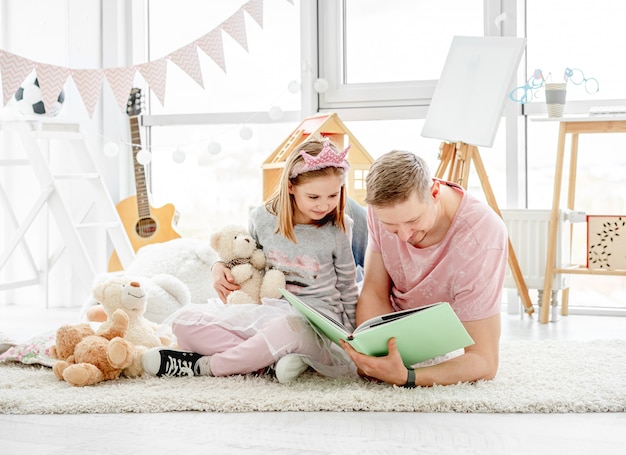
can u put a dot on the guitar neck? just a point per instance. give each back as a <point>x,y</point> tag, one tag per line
<point>141,188</point>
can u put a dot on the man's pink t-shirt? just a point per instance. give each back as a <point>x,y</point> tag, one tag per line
<point>466,268</point>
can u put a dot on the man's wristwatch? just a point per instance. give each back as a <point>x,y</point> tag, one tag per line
<point>410,378</point>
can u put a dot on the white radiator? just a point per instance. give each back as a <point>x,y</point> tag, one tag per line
<point>528,231</point>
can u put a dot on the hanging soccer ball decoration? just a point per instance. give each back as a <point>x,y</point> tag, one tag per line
<point>30,101</point>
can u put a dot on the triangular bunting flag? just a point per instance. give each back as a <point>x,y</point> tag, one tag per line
<point>155,74</point>
<point>51,80</point>
<point>255,9</point>
<point>121,81</point>
<point>187,59</point>
<point>14,70</point>
<point>89,85</point>
<point>213,45</point>
<point>235,26</point>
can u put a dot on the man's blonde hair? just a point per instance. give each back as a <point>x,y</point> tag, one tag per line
<point>282,203</point>
<point>394,176</point>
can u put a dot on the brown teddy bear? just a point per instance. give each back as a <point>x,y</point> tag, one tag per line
<point>85,358</point>
<point>238,251</point>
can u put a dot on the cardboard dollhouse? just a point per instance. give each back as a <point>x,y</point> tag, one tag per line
<point>327,125</point>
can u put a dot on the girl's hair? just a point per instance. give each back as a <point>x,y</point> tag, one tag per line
<point>394,176</point>
<point>282,203</point>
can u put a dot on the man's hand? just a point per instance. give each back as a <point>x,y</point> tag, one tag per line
<point>223,281</point>
<point>480,360</point>
<point>389,368</point>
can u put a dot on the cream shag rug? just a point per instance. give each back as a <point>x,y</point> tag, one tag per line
<point>534,377</point>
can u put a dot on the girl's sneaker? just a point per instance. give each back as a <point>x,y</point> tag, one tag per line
<point>168,362</point>
<point>289,368</point>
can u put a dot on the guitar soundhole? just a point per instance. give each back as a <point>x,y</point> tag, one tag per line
<point>146,227</point>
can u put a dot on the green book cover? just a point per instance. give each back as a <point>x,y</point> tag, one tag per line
<point>421,333</point>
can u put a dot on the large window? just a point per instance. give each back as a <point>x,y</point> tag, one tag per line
<point>374,54</point>
<point>403,40</point>
<point>564,34</point>
<point>371,78</point>
<point>378,63</point>
<point>592,41</point>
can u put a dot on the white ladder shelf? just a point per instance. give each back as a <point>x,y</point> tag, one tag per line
<point>96,209</point>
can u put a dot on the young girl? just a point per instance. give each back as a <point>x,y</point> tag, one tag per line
<point>304,233</point>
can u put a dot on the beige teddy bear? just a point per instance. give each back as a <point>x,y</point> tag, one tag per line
<point>173,273</point>
<point>84,358</point>
<point>238,250</point>
<point>123,293</point>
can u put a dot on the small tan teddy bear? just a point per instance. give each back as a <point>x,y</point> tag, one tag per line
<point>84,358</point>
<point>238,250</point>
<point>125,294</point>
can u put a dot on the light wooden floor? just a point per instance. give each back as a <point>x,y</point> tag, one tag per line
<point>319,433</point>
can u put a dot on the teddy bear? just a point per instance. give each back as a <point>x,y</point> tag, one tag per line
<point>239,252</point>
<point>84,358</point>
<point>164,295</point>
<point>188,259</point>
<point>125,294</point>
<point>172,273</point>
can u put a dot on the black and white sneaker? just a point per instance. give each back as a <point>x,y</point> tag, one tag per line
<point>269,371</point>
<point>168,362</point>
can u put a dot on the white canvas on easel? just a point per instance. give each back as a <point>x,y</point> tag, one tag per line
<point>465,111</point>
<point>470,95</point>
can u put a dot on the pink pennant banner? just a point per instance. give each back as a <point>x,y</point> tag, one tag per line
<point>235,26</point>
<point>89,85</point>
<point>121,81</point>
<point>187,59</point>
<point>255,9</point>
<point>51,80</point>
<point>155,75</point>
<point>14,70</point>
<point>213,45</point>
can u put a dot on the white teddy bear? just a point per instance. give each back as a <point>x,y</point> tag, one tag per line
<point>238,251</point>
<point>187,259</point>
<point>164,295</point>
<point>172,273</point>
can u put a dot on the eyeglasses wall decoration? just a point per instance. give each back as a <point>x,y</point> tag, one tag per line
<point>525,93</point>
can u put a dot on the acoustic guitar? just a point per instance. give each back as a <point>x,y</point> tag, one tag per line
<point>143,223</point>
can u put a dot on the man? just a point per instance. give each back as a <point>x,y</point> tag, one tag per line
<point>430,241</point>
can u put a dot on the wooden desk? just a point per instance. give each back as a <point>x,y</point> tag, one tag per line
<point>573,126</point>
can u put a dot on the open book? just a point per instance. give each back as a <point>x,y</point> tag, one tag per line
<point>421,333</point>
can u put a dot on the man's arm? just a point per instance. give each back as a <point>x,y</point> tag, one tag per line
<point>374,297</point>
<point>480,361</point>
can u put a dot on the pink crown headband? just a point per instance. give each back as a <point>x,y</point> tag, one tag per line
<point>326,158</point>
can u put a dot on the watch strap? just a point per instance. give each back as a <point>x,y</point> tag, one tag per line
<point>410,378</point>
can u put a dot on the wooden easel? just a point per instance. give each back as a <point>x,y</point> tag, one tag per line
<point>456,158</point>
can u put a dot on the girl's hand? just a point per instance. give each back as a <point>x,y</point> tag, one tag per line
<point>223,280</point>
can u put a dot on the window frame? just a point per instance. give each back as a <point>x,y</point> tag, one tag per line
<point>390,101</point>
<point>408,99</point>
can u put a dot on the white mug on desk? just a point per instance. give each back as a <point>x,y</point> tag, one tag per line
<point>555,98</point>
